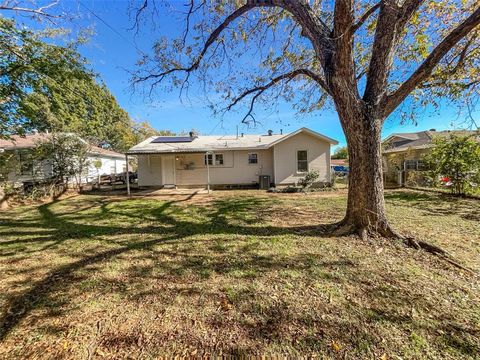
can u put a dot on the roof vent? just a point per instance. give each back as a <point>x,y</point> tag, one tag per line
<point>281,131</point>
<point>270,132</point>
<point>242,134</point>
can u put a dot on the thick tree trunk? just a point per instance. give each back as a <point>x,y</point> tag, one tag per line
<point>366,206</point>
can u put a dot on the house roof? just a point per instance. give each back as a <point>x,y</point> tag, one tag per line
<point>339,162</point>
<point>419,140</point>
<point>218,143</point>
<point>31,140</point>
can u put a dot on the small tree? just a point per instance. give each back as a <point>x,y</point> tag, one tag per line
<point>340,153</point>
<point>66,154</point>
<point>97,163</point>
<point>458,159</point>
<point>7,164</point>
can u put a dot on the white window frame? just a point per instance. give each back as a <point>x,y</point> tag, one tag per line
<point>413,164</point>
<point>297,160</point>
<point>256,159</point>
<point>213,159</point>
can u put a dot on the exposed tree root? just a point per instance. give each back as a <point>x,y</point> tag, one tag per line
<point>434,250</point>
<point>344,228</point>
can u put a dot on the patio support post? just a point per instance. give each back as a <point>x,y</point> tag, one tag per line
<point>127,175</point>
<point>208,170</point>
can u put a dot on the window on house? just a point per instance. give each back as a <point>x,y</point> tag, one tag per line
<point>410,164</point>
<point>112,169</point>
<point>218,159</point>
<point>421,165</point>
<point>302,161</point>
<point>418,165</point>
<point>252,158</point>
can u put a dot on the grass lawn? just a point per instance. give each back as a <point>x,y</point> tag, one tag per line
<point>240,272</point>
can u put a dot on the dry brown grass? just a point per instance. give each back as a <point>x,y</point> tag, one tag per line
<point>235,273</point>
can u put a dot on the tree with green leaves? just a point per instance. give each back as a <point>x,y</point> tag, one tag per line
<point>456,158</point>
<point>47,87</point>
<point>340,153</point>
<point>66,156</point>
<point>27,63</point>
<point>365,58</point>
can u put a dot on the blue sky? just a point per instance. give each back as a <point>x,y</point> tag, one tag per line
<point>114,49</point>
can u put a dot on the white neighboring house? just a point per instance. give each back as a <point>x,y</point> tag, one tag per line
<point>111,161</point>
<point>271,159</point>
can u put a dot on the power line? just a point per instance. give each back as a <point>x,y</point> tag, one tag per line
<point>111,28</point>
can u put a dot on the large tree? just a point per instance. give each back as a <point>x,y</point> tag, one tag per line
<point>366,57</point>
<point>47,87</point>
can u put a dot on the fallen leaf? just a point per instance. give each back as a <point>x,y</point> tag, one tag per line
<point>226,305</point>
<point>335,346</point>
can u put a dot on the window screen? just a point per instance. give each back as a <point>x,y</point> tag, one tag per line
<point>302,161</point>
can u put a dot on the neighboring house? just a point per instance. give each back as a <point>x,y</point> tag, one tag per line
<point>403,153</point>
<point>229,160</point>
<point>339,162</point>
<point>111,161</point>
<point>340,167</point>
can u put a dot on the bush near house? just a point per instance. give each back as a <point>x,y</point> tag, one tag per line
<point>455,162</point>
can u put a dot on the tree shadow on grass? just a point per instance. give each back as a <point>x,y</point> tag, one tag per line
<point>61,229</point>
<point>171,224</point>
<point>438,204</point>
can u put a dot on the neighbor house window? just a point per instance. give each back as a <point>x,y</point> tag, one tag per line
<point>421,165</point>
<point>302,162</point>
<point>410,164</point>
<point>218,159</point>
<point>252,158</point>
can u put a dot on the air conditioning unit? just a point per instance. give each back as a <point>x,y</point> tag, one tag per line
<point>264,182</point>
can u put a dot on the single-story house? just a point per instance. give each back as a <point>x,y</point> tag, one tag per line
<point>339,162</point>
<point>403,153</point>
<point>232,160</point>
<point>23,171</point>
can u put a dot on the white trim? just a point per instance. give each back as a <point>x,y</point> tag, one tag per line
<point>296,162</point>
<point>214,158</point>
<point>304,130</point>
<point>274,167</point>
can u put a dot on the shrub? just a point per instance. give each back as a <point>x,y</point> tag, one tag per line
<point>309,179</point>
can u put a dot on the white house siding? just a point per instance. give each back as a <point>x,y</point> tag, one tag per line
<point>110,166</point>
<point>190,169</point>
<point>235,168</point>
<point>149,170</point>
<point>285,155</point>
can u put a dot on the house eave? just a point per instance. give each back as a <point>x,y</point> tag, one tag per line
<point>405,149</point>
<point>193,151</point>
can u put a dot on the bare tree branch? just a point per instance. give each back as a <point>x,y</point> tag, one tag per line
<point>313,27</point>
<point>38,11</point>
<point>138,13</point>
<point>432,60</point>
<point>211,39</point>
<point>259,90</point>
<point>365,17</point>
<point>287,76</point>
